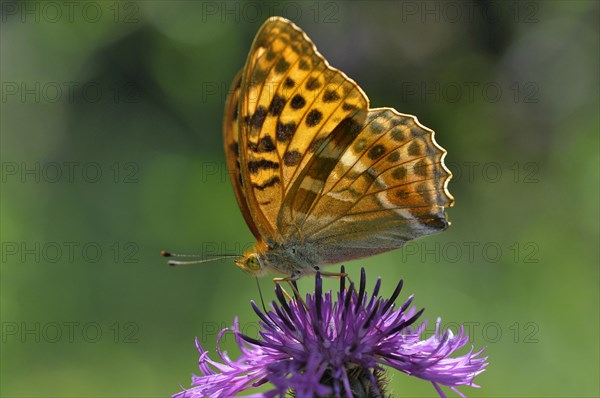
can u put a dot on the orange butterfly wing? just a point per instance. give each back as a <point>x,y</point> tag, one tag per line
<point>290,102</point>
<point>386,187</point>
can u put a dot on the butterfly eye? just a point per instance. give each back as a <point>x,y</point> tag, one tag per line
<point>253,263</point>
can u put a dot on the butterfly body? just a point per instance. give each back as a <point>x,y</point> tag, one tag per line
<point>292,258</point>
<point>319,176</point>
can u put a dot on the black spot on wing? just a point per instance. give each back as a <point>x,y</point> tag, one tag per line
<point>254,166</point>
<point>282,66</point>
<point>304,65</point>
<point>292,158</point>
<point>277,105</point>
<point>266,144</point>
<point>399,173</point>
<point>394,121</point>
<point>269,183</point>
<point>285,131</point>
<point>420,168</point>
<point>376,128</point>
<point>313,118</point>
<point>414,149</point>
<point>312,83</point>
<point>259,117</point>
<point>348,107</point>
<point>331,96</point>
<point>397,134</point>
<point>289,82</point>
<point>298,102</point>
<point>376,152</point>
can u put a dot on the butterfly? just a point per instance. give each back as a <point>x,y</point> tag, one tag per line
<point>319,176</point>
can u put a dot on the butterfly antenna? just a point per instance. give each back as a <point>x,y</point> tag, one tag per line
<point>172,263</point>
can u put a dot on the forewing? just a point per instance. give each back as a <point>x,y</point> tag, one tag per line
<point>291,101</point>
<point>388,186</point>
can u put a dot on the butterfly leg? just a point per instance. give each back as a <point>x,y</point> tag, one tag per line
<point>339,275</point>
<point>291,280</point>
<point>278,281</point>
<point>342,276</point>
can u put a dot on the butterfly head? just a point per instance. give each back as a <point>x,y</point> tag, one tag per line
<point>252,261</point>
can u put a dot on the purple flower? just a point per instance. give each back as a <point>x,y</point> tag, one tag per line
<point>336,348</point>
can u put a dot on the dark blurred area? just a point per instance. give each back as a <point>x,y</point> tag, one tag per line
<point>111,150</point>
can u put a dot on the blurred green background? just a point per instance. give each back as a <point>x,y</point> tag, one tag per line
<point>111,151</point>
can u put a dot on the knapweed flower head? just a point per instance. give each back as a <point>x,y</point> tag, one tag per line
<point>326,346</point>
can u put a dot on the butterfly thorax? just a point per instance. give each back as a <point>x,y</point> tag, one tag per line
<point>292,258</point>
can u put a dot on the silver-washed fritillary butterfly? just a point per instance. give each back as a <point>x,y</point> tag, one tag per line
<point>319,176</point>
